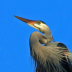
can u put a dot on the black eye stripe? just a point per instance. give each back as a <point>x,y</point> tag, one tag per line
<point>43,22</point>
<point>38,22</point>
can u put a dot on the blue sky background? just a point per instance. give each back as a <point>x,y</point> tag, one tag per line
<point>14,34</point>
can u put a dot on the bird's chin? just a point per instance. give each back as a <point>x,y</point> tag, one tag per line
<point>34,27</point>
<point>39,29</point>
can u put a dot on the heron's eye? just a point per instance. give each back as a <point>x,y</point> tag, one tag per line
<point>39,22</point>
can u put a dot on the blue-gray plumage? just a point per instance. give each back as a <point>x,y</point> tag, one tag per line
<point>51,57</point>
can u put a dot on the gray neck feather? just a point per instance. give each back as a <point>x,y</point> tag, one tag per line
<point>37,39</point>
<point>47,34</point>
<point>46,57</point>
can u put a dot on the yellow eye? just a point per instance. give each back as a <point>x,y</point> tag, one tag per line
<point>38,22</point>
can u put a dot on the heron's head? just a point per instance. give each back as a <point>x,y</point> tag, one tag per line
<point>39,25</point>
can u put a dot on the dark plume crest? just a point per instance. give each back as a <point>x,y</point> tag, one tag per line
<point>43,22</point>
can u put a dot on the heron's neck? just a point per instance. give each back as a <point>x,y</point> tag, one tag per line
<point>37,39</point>
<point>47,34</point>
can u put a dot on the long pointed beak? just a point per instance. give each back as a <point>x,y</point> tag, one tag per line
<point>32,22</point>
<point>29,22</point>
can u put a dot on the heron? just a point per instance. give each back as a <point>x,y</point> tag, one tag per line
<point>48,55</point>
